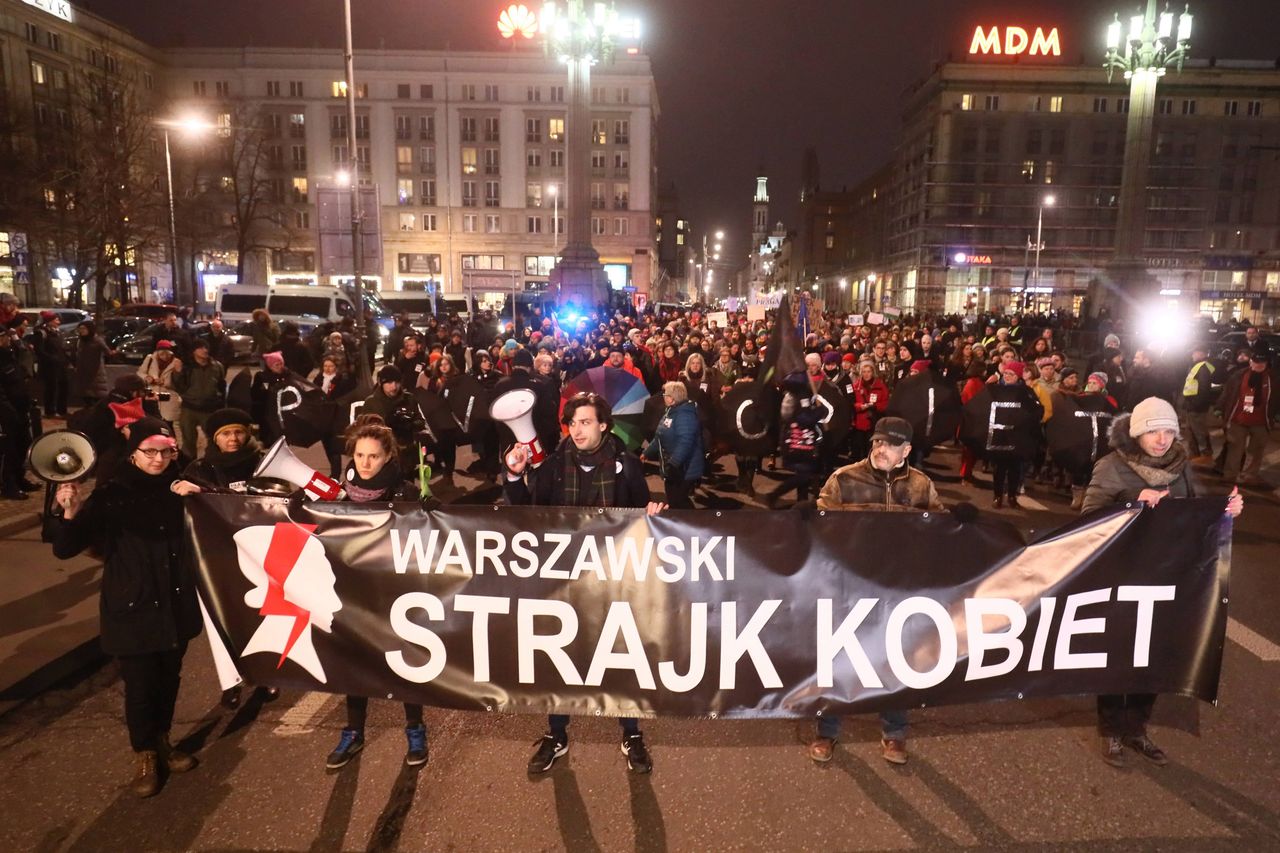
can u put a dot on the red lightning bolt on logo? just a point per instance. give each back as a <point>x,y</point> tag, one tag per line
<point>287,541</point>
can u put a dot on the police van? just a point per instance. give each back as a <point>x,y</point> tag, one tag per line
<point>306,305</point>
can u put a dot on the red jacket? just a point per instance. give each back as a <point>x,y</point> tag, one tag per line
<point>875,394</point>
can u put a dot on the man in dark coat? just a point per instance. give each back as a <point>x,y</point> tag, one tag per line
<point>590,468</point>
<point>53,364</point>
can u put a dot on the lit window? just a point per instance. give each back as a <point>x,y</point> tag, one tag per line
<point>966,102</point>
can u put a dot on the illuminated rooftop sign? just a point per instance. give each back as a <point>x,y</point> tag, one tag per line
<point>57,8</point>
<point>1016,41</point>
<point>517,20</point>
<point>966,258</point>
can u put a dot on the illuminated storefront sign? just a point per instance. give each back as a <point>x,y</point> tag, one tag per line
<point>966,258</point>
<point>1016,41</point>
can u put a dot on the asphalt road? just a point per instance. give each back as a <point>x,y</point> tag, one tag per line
<point>1011,775</point>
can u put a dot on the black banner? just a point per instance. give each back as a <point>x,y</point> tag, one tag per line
<point>741,614</point>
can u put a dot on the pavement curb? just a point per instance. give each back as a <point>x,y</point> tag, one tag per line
<point>18,523</point>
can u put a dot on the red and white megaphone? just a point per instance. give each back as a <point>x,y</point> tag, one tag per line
<point>515,409</point>
<point>283,465</point>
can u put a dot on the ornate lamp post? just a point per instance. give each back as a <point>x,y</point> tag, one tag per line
<point>1143,54</point>
<point>580,38</point>
<point>191,126</point>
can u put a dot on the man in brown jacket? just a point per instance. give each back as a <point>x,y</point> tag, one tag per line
<point>886,482</point>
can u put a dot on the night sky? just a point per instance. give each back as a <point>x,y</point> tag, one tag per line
<point>741,86</point>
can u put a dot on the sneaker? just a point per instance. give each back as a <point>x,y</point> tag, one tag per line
<point>349,746</point>
<point>821,749</point>
<point>1113,752</point>
<point>417,737</point>
<point>549,749</point>
<point>1148,750</point>
<point>633,748</point>
<point>893,750</point>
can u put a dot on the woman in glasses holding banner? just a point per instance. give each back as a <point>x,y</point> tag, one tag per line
<point>147,605</point>
<point>590,468</point>
<point>374,475</point>
<point>1149,464</point>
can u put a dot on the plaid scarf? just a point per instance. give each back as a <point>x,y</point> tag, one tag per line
<point>594,486</point>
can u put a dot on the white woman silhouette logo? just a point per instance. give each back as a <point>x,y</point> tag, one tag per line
<point>293,590</point>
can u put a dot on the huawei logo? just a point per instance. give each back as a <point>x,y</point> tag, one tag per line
<point>517,20</point>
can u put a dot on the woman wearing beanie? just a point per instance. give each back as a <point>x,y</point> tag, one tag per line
<point>374,475</point>
<point>1148,464</point>
<point>148,609</point>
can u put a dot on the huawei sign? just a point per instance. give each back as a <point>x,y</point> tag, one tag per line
<point>1016,41</point>
<point>517,20</point>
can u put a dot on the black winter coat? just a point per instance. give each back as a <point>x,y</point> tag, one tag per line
<point>545,486</point>
<point>148,597</point>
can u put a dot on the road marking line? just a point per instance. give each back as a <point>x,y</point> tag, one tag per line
<point>300,719</point>
<point>1032,503</point>
<point>1252,641</point>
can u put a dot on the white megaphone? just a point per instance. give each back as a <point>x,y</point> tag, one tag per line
<point>515,409</point>
<point>283,465</point>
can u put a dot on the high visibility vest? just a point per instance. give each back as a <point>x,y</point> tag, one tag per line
<point>1191,387</point>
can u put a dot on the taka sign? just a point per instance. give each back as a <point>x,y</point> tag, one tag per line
<point>1015,41</point>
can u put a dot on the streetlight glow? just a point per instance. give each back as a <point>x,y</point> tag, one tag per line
<point>342,177</point>
<point>1049,201</point>
<point>719,235</point>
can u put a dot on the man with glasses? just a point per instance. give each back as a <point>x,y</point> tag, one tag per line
<point>591,468</point>
<point>885,482</point>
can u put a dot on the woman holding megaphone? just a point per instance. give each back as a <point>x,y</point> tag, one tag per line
<point>148,607</point>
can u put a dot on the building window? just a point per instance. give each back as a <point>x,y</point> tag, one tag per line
<point>992,103</point>
<point>1188,107</point>
<point>622,161</point>
<point>598,226</point>
<point>404,191</point>
<point>533,194</point>
<point>1230,108</point>
<point>404,158</point>
<point>491,129</point>
<point>408,222</point>
<point>555,129</point>
<point>533,158</point>
<point>490,92</point>
<point>1165,106</point>
<point>597,196</point>
<point>31,32</point>
<point>1255,109</point>
<point>295,89</point>
<point>557,94</point>
<point>597,160</point>
<point>403,90</point>
<point>533,130</point>
<point>198,88</point>
<point>468,91</point>
<point>492,223</point>
<point>223,88</point>
<point>469,161</point>
<point>599,135</point>
<point>302,219</point>
<point>362,127</point>
<point>469,223</point>
<point>557,158</point>
<point>623,96</point>
<point>468,131</point>
<point>427,128</point>
<point>621,196</point>
<point>427,159</point>
<point>428,222</point>
<point>622,132</point>
<point>1055,104</point>
<point>620,226</point>
<point>1028,171</point>
<point>273,88</point>
<point>297,125</point>
<point>340,156</point>
<point>428,193</point>
<point>426,92</point>
<point>534,94</point>
<point>491,166</point>
<point>597,94</point>
<point>298,157</point>
<point>966,102</point>
<point>404,127</point>
<point>1048,171</point>
<point>1099,105</point>
<point>39,75</point>
<point>533,224</point>
<point>469,197</point>
<point>299,190</point>
<point>1122,105</point>
<point>483,262</point>
<point>492,193</point>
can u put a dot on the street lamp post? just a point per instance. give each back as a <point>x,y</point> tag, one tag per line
<point>190,125</point>
<point>365,369</point>
<point>580,39</point>
<point>1047,201</point>
<point>1142,54</point>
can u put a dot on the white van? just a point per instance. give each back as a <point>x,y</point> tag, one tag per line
<point>307,305</point>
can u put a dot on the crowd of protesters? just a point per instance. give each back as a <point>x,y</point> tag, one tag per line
<point>168,430</point>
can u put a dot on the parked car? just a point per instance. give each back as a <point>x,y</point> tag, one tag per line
<point>117,327</point>
<point>71,317</point>
<point>152,311</point>
<point>1235,340</point>
<point>135,348</point>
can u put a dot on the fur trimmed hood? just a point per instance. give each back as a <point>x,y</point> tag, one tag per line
<point>1121,441</point>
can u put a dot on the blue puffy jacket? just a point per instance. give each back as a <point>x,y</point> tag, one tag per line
<point>678,442</point>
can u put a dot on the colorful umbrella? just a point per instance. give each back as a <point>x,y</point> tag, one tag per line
<point>625,394</point>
